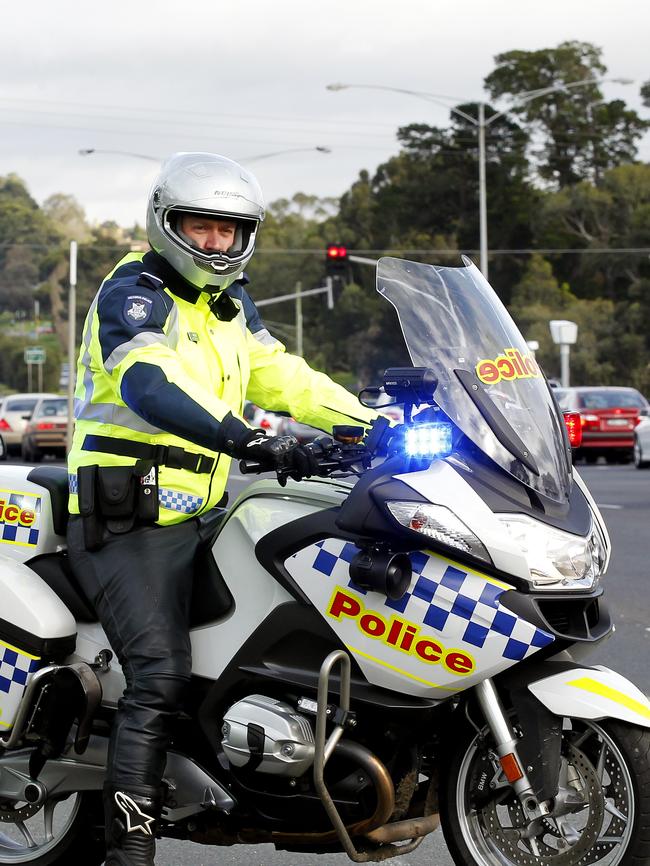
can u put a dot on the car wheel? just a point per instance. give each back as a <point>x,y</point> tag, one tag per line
<point>639,462</point>
<point>29,454</point>
<point>591,458</point>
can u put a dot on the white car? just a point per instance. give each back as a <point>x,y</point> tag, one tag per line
<point>642,443</point>
<point>15,412</point>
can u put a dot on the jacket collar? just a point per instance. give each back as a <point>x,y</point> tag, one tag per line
<point>176,284</point>
<point>221,304</point>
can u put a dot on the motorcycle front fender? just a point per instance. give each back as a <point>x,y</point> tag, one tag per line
<point>592,693</point>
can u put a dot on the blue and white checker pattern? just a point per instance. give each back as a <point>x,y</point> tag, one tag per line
<point>175,500</point>
<point>11,531</point>
<point>448,599</point>
<point>16,668</point>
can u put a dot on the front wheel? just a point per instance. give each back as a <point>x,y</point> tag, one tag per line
<point>607,764</point>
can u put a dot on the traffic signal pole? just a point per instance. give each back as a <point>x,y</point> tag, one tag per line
<point>297,296</point>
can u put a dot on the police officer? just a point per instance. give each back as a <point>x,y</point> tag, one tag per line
<point>172,346</point>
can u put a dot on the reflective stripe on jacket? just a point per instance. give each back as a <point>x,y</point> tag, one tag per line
<point>157,366</point>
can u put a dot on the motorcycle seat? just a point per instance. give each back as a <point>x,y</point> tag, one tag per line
<point>55,480</point>
<point>211,598</point>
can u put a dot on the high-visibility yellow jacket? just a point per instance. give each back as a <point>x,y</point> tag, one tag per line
<point>158,366</point>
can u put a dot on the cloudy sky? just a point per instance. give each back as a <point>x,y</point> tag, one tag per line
<point>249,78</point>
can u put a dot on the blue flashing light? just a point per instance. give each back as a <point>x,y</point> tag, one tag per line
<point>429,440</point>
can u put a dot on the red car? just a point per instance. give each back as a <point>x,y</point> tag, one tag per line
<point>609,416</point>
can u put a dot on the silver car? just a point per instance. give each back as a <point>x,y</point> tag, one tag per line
<point>15,411</point>
<point>642,443</point>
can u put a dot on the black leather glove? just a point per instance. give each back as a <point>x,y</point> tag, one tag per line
<point>282,453</point>
<point>270,451</point>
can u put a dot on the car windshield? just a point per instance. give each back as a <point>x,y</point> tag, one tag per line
<point>53,407</point>
<point>488,382</point>
<point>614,399</point>
<point>20,405</point>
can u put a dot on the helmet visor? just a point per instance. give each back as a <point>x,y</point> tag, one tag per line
<point>218,261</point>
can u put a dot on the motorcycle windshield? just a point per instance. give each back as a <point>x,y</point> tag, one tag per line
<point>488,381</point>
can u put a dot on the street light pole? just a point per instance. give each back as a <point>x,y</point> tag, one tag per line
<point>482,192</point>
<point>481,124</point>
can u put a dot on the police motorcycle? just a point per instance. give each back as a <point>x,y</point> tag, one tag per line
<point>396,642</point>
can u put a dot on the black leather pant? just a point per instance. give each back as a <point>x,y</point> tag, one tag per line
<point>140,584</point>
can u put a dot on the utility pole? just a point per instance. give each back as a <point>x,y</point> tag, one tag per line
<point>72,340</point>
<point>299,318</point>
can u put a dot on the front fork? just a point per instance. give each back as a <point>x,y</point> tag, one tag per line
<point>505,746</point>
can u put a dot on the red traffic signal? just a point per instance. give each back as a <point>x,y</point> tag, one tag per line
<point>336,261</point>
<point>336,252</point>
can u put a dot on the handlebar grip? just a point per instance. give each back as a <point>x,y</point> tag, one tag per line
<point>252,467</point>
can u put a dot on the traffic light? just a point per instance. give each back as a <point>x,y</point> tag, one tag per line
<point>336,260</point>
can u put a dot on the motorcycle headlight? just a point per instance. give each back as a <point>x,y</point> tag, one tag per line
<point>557,559</point>
<point>440,524</point>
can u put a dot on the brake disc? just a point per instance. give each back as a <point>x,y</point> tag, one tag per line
<point>10,813</point>
<point>549,846</point>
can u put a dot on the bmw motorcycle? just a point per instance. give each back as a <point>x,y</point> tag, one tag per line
<point>395,643</point>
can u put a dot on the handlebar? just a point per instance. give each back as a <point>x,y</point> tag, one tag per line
<point>330,456</point>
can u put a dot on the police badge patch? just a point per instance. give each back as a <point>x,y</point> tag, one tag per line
<point>137,309</point>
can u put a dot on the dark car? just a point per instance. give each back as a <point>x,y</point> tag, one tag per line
<point>609,416</point>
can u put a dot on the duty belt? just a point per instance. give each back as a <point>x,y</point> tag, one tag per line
<point>162,455</point>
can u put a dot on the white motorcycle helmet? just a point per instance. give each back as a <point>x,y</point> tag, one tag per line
<point>211,186</point>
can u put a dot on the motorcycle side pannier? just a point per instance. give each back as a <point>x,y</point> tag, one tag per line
<point>36,629</point>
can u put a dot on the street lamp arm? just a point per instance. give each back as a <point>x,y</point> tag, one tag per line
<point>529,95</point>
<point>87,151</point>
<point>319,148</point>
<point>428,97</point>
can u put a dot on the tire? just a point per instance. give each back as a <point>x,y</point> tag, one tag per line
<point>601,833</point>
<point>591,458</point>
<point>639,462</point>
<point>78,833</point>
<point>29,454</point>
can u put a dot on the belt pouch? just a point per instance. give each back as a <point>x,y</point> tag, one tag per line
<point>93,527</point>
<point>147,491</point>
<point>116,494</point>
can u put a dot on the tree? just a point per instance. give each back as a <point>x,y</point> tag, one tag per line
<point>427,197</point>
<point>614,214</point>
<point>65,212</point>
<point>27,237</point>
<point>581,134</point>
<point>645,93</point>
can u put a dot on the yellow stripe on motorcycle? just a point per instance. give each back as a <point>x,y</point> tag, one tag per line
<point>588,684</point>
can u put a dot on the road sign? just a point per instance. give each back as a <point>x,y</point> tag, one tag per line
<point>34,355</point>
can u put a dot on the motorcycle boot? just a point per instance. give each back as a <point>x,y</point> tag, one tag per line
<point>131,823</point>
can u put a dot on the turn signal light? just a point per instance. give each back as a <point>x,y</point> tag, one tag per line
<point>573,424</point>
